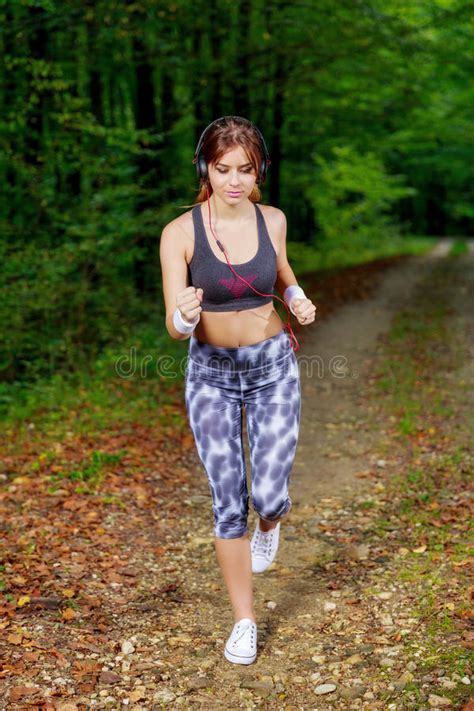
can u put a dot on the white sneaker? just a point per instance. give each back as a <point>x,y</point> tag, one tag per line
<point>241,647</point>
<point>264,546</point>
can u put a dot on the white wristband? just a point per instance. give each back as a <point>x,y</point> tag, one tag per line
<point>292,292</point>
<point>182,325</point>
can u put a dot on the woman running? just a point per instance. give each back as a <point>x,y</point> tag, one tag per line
<point>220,263</point>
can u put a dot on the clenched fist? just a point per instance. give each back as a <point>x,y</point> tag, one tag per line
<point>188,302</point>
<point>305,310</point>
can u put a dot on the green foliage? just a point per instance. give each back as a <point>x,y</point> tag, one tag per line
<point>60,305</point>
<point>135,380</point>
<point>366,112</point>
<point>459,247</point>
<point>306,258</point>
<point>351,194</point>
<point>91,474</point>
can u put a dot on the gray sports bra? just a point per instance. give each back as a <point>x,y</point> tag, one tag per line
<point>222,290</point>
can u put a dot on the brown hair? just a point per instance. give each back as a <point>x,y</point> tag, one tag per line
<point>229,132</point>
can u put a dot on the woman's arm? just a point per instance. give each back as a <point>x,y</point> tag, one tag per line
<point>286,276</point>
<point>302,307</point>
<point>174,273</point>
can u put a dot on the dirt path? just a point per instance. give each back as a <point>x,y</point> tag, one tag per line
<point>334,610</point>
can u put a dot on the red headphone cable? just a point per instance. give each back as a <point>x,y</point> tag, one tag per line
<point>293,339</point>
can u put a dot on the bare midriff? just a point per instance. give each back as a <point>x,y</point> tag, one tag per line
<point>230,329</point>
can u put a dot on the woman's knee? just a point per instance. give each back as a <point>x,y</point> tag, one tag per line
<point>235,528</point>
<point>231,521</point>
<point>276,509</point>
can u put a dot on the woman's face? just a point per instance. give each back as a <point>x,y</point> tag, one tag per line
<point>233,176</point>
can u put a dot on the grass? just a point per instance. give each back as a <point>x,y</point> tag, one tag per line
<point>90,475</point>
<point>414,354</point>
<point>133,382</point>
<point>305,258</point>
<point>368,504</point>
<point>458,248</point>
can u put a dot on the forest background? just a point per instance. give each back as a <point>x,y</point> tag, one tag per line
<point>365,106</point>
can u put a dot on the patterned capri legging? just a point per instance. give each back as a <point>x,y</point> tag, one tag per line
<point>219,382</point>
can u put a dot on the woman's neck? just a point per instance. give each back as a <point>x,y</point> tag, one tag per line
<point>224,213</point>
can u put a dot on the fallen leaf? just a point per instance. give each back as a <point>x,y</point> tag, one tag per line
<point>23,600</point>
<point>18,580</point>
<point>17,692</point>
<point>69,614</point>
<point>15,638</point>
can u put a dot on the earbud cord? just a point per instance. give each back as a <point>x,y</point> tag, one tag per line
<point>221,247</point>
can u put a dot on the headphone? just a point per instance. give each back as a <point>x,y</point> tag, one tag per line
<point>202,171</point>
<point>201,165</point>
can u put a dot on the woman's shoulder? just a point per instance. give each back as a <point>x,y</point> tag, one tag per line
<point>273,215</point>
<point>180,226</point>
<point>180,233</point>
<point>270,210</point>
